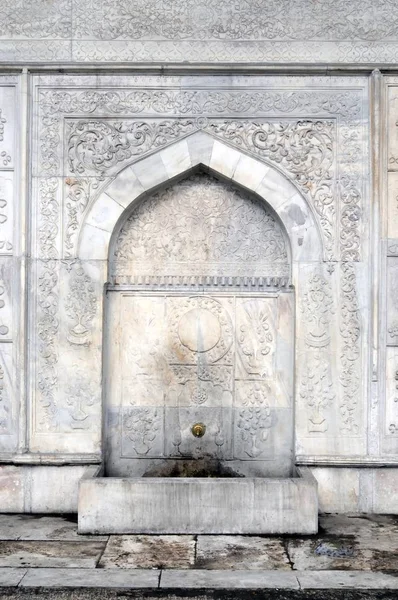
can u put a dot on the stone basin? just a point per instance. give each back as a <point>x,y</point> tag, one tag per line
<point>186,505</point>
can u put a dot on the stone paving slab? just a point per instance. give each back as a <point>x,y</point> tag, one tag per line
<point>327,554</point>
<point>91,578</point>
<point>344,525</point>
<point>50,554</point>
<point>149,551</point>
<point>240,552</point>
<point>244,579</point>
<point>355,526</point>
<point>115,579</point>
<point>35,528</point>
<point>374,553</point>
<point>346,579</point>
<point>11,577</point>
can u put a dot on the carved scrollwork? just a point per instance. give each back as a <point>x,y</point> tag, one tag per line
<point>188,20</point>
<point>255,337</point>
<point>98,145</point>
<point>2,123</point>
<point>393,426</point>
<point>4,156</point>
<point>141,426</point>
<point>317,388</point>
<point>79,194</point>
<point>200,102</point>
<point>306,144</point>
<point>47,300</point>
<point>317,391</point>
<point>304,149</point>
<point>350,330</point>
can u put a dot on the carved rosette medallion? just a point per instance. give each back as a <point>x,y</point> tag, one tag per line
<point>200,326</point>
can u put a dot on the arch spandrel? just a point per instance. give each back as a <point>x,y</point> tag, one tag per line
<point>176,162</point>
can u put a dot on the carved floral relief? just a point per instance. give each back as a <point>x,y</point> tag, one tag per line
<point>302,131</point>
<point>317,388</point>
<point>80,306</point>
<point>204,219</point>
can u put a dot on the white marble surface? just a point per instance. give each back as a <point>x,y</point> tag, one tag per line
<point>302,145</point>
<point>72,31</point>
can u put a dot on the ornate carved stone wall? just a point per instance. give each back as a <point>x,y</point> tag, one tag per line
<point>10,265</point>
<point>83,156</point>
<point>92,137</point>
<point>253,31</point>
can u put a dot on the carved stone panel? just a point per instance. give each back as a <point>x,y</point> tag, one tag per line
<point>218,357</point>
<point>177,360</point>
<point>6,212</point>
<point>389,424</point>
<point>197,241</point>
<point>392,301</point>
<point>227,234</point>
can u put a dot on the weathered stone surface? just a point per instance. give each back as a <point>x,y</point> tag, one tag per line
<point>218,360</point>
<point>352,543</point>
<point>41,489</point>
<point>86,578</point>
<point>149,552</point>
<point>11,577</point>
<point>328,580</point>
<point>205,505</point>
<point>50,554</point>
<point>231,579</point>
<point>240,552</point>
<point>115,162</point>
<point>35,528</point>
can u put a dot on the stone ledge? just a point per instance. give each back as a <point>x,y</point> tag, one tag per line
<point>154,579</point>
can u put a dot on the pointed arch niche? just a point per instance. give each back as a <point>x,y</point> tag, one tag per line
<point>200,248</point>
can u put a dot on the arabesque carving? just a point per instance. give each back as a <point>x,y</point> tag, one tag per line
<point>252,20</point>
<point>255,420</point>
<point>350,330</point>
<point>305,150</point>
<point>300,138</point>
<point>222,229</point>
<point>47,304</point>
<point>98,145</point>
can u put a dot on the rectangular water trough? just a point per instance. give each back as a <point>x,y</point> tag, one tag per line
<point>161,505</point>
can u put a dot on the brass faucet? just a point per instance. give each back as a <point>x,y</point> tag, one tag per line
<point>198,430</point>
